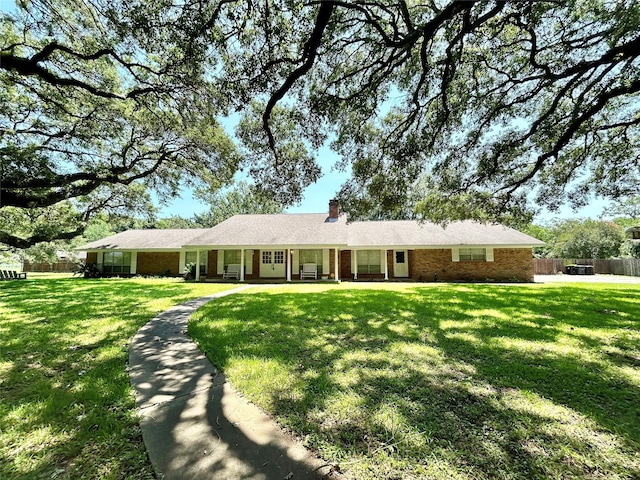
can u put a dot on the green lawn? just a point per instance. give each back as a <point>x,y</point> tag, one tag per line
<point>442,381</point>
<point>66,408</point>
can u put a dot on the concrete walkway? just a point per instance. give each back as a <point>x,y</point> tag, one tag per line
<point>194,424</point>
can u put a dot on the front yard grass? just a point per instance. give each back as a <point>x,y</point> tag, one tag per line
<point>442,381</point>
<point>67,410</point>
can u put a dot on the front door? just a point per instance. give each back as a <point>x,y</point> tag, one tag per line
<point>400,263</point>
<point>272,264</point>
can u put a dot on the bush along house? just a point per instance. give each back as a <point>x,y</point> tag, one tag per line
<point>320,246</point>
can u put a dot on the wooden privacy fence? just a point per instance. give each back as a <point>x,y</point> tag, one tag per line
<point>49,267</point>
<point>616,266</point>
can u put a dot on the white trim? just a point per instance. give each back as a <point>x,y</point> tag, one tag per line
<point>386,266</point>
<point>296,261</point>
<point>220,267</point>
<point>197,265</point>
<point>455,254</point>
<point>488,253</point>
<point>325,262</point>
<point>242,264</point>
<point>335,266</point>
<point>354,263</point>
<point>248,267</point>
<point>288,265</point>
<point>133,269</point>
<point>182,262</point>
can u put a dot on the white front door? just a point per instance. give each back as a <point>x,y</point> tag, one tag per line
<point>272,264</point>
<point>400,263</point>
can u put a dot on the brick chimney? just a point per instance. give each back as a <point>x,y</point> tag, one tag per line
<point>334,210</point>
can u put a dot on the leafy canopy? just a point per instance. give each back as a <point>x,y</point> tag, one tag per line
<point>96,106</point>
<point>497,108</point>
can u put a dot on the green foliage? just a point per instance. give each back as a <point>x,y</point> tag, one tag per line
<point>175,221</point>
<point>87,270</point>
<point>99,110</point>
<point>579,239</point>
<point>627,208</point>
<point>405,92</point>
<point>630,248</point>
<point>437,90</point>
<point>189,271</point>
<point>441,382</point>
<point>243,198</point>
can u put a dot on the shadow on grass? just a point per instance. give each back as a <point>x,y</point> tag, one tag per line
<point>66,407</point>
<point>467,380</point>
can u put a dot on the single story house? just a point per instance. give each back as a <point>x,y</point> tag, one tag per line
<point>287,247</point>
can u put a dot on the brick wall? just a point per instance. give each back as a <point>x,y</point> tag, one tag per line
<point>345,265</point>
<point>212,264</point>
<point>508,264</point>
<point>158,263</point>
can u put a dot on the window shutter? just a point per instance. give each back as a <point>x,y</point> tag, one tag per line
<point>100,258</point>
<point>248,262</point>
<point>134,262</point>
<point>325,261</point>
<point>489,254</point>
<point>220,262</point>
<point>182,262</point>
<point>455,254</point>
<point>296,262</point>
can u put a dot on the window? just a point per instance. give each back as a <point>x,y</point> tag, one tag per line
<point>369,261</point>
<point>473,254</point>
<point>192,257</point>
<point>231,257</point>
<point>635,234</point>
<point>278,256</point>
<point>400,256</point>
<point>116,262</point>
<point>311,256</point>
<point>266,257</point>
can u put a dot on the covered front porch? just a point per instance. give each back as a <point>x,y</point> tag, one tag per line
<point>266,263</point>
<point>278,263</point>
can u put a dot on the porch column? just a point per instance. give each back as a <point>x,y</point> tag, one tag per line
<point>288,265</point>
<point>242,264</point>
<point>336,277</point>
<point>197,265</point>
<point>386,266</point>
<point>355,264</point>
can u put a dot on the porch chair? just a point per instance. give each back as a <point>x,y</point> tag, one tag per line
<point>232,271</point>
<point>309,270</point>
<point>4,275</point>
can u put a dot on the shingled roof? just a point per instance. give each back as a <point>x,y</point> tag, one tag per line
<point>317,230</point>
<point>410,233</point>
<point>285,229</point>
<point>169,239</point>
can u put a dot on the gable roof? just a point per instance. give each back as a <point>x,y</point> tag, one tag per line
<point>283,229</point>
<point>317,230</point>
<point>411,233</point>
<point>151,239</point>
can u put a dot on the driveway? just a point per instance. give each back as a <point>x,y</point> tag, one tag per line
<point>585,279</point>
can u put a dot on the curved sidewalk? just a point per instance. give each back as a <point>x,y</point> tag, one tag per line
<point>195,425</point>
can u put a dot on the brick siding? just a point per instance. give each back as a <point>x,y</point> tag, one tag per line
<point>427,265</point>
<point>508,264</point>
<point>158,263</point>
